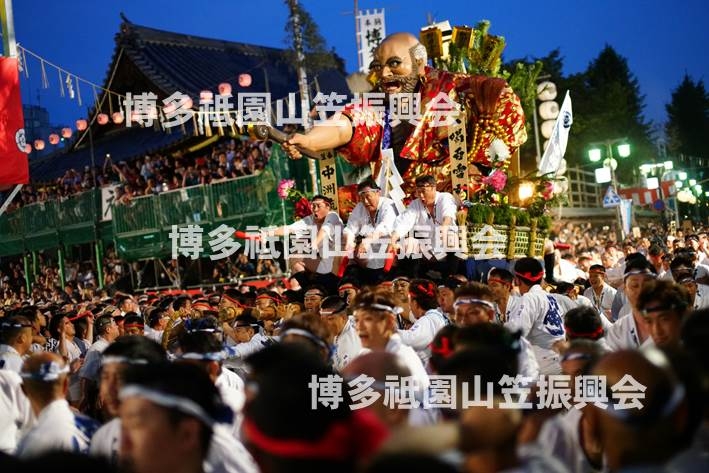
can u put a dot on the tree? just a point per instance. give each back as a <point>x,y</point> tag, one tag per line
<point>317,55</point>
<point>608,105</point>
<point>688,119</point>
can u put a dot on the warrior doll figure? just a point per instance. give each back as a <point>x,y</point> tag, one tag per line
<point>494,118</point>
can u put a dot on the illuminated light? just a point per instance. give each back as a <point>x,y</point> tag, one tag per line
<point>594,155</point>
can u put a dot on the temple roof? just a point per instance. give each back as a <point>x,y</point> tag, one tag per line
<point>163,62</point>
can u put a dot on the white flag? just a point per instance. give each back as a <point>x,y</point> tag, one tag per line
<point>551,160</point>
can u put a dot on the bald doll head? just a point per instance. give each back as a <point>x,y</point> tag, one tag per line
<point>398,63</point>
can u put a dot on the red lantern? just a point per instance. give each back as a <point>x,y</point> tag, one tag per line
<point>39,145</point>
<point>225,88</point>
<point>81,124</point>
<point>66,133</point>
<point>244,80</point>
<point>169,108</point>
<point>206,96</point>
<point>102,118</point>
<point>53,139</point>
<point>28,148</point>
<point>117,118</point>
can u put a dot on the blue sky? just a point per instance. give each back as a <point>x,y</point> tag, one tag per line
<point>661,39</point>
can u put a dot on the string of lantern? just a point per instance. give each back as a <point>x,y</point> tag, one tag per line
<point>70,87</point>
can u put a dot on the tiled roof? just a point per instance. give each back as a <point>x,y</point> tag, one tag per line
<point>177,62</point>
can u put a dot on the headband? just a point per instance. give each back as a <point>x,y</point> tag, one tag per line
<point>501,281</point>
<point>639,272</point>
<point>269,297</point>
<point>210,356</point>
<point>4,325</point>
<point>346,286</point>
<point>356,437</point>
<point>597,271</point>
<point>445,350</point>
<point>47,372</point>
<point>170,401</point>
<point>202,306</point>
<point>385,308</point>
<point>304,333</point>
<point>134,324</point>
<point>470,300</point>
<point>571,356</point>
<point>428,290</point>
<point>113,359</point>
<point>529,276</point>
<point>594,335</point>
<point>231,299</point>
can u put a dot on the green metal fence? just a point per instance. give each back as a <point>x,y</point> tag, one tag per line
<point>141,228</point>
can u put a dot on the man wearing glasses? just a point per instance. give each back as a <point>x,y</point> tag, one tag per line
<point>369,224</point>
<point>432,217</point>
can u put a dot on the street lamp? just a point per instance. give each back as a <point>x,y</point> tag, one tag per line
<point>595,154</point>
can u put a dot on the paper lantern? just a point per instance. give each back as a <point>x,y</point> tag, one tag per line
<point>39,145</point>
<point>53,139</point>
<point>66,133</point>
<point>244,80</point>
<point>225,88</point>
<point>117,118</point>
<point>206,96</point>
<point>549,110</point>
<point>81,124</point>
<point>102,118</point>
<point>546,91</point>
<point>28,148</point>
<point>169,108</point>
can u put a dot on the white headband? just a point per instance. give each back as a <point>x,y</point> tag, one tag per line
<point>469,300</point>
<point>48,372</point>
<point>112,359</point>
<point>212,356</point>
<point>170,401</point>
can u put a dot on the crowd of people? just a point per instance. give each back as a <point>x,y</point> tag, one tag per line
<point>228,158</point>
<point>373,367</point>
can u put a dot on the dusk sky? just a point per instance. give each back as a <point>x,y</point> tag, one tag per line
<point>661,39</point>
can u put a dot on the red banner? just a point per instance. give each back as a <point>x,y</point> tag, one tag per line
<point>14,167</point>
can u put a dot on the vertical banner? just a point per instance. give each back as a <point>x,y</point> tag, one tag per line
<point>108,198</point>
<point>371,33</point>
<point>14,168</point>
<point>458,157</point>
<point>626,215</point>
<point>551,160</point>
<point>328,178</point>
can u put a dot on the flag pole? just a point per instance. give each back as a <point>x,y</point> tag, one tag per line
<point>8,29</point>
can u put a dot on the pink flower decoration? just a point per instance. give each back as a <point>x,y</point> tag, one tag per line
<point>284,186</point>
<point>497,180</point>
<point>548,191</point>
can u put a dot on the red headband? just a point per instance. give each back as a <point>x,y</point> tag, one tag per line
<point>134,325</point>
<point>428,290</point>
<point>231,299</point>
<point>266,296</point>
<point>358,437</point>
<point>506,283</point>
<point>530,276</point>
<point>202,306</point>
<point>592,335</point>
<point>445,350</point>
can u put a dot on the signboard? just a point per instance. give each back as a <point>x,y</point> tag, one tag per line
<point>611,199</point>
<point>371,32</point>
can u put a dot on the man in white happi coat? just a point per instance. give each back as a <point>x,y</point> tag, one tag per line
<point>367,233</point>
<point>45,382</point>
